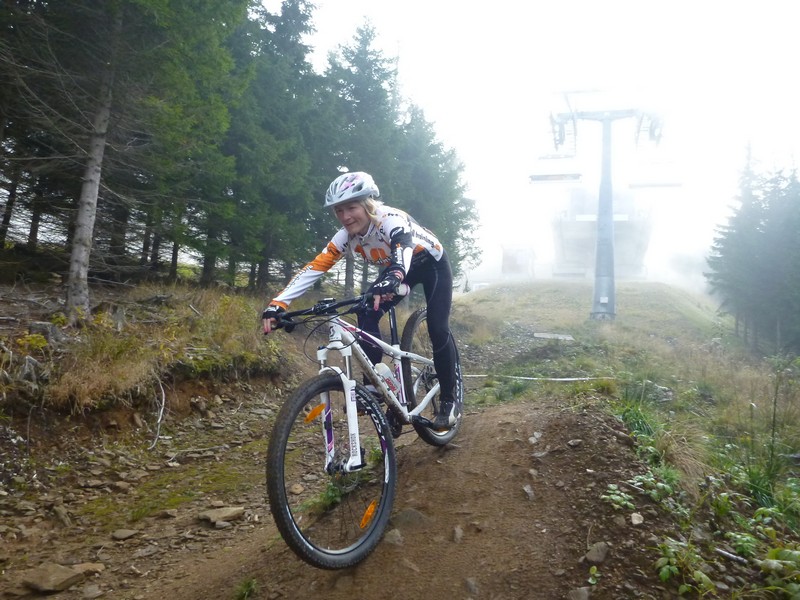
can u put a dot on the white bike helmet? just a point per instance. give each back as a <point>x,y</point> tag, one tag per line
<point>351,186</point>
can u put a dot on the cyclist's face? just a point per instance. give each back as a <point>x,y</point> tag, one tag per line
<point>353,217</point>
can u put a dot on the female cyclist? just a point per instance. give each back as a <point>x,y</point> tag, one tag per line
<point>407,252</point>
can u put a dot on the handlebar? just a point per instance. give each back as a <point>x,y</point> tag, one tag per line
<point>330,306</point>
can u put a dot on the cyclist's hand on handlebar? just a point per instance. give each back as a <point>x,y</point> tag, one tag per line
<point>271,317</point>
<point>378,300</point>
<point>385,288</point>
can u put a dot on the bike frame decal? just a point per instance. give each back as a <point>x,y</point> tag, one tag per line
<point>327,430</point>
<point>354,462</point>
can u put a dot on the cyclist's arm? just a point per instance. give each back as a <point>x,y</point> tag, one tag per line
<point>401,249</point>
<point>308,275</point>
<point>402,246</point>
<point>401,242</point>
<point>421,239</point>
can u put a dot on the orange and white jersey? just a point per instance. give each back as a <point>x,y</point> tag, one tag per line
<point>393,240</point>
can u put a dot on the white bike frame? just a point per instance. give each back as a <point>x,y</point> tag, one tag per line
<point>342,338</point>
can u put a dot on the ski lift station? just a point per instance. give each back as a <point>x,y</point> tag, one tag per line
<point>597,191</point>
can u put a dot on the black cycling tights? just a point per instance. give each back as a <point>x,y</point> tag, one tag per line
<point>436,278</point>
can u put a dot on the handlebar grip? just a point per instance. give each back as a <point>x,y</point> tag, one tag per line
<point>283,322</point>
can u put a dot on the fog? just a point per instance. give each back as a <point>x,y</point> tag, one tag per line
<point>658,190</point>
<point>719,74</point>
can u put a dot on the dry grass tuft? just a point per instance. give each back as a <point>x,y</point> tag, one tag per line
<point>683,445</point>
<point>155,333</point>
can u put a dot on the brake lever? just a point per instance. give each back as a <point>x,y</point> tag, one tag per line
<point>287,324</point>
<point>362,306</point>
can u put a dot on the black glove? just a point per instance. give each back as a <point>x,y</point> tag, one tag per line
<point>273,311</point>
<point>387,283</point>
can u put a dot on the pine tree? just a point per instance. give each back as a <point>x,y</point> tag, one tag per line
<point>755,261</point>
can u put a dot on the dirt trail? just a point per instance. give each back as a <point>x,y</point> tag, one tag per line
<point>468,527</point>
<point>507,511</point>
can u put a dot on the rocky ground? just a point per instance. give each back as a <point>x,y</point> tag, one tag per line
<point>511,510</point>
<point>121,506</point>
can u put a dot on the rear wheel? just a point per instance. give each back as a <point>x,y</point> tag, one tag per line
<point>330,518</point>
<point>420,379</point>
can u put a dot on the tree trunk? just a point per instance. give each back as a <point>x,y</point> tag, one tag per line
<point>37,207</point>
<point>231,278</point>
<point>78,282</point>
<point>251,277</point>
<point>155,251</point>
<point>209,267</point>
<point>349,275</point>
<point>262,277</point>
<point>173,263</point>
<point>36,219</point>
<point>12,198</point>
<point>365,278</point>
<point>150,238</point>
<point>148,233</point>
<point>288,271</point>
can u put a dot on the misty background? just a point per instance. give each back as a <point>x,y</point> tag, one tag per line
<point>489,76</point>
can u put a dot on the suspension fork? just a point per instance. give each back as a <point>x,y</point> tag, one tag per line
<point>355,460</point>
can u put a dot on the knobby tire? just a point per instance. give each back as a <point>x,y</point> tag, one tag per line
<point>330,520</point>
<point>419,380</point>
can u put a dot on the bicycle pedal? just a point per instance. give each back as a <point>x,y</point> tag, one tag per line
<point>431,425</point>
<point>418,420</point>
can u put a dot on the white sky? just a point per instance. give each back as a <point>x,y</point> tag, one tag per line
<point>721,73</point>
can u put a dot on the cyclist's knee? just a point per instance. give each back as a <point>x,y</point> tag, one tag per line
<point>440,336</point>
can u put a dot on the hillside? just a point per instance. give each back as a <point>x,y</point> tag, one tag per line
<point>522,505</point>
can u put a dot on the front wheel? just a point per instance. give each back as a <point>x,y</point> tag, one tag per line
<point>330,518</point>
<point>420,379</point>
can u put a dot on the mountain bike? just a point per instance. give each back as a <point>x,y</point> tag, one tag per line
<point>331,467</point>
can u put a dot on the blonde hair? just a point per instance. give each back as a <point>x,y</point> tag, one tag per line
<point>371,205</point>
